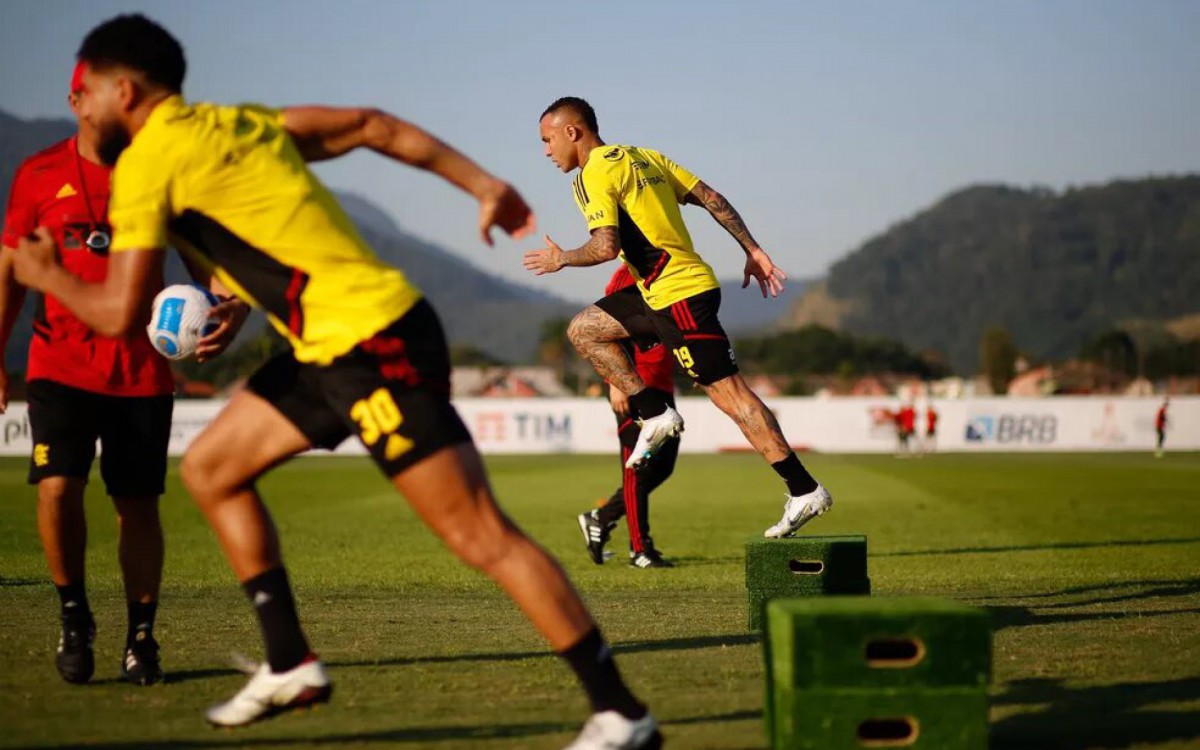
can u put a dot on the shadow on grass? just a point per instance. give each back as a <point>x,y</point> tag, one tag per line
<point>1038,547</point>
<point>1107,716</point>
<point>1171,587</point>
<point>413,734</point>
<point>1019,617</point>
<point>6,582</point>
<point>634,647</point>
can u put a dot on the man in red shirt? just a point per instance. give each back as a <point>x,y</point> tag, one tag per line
<point>931,420</point>
<point>906,425</point>
<point>1160,427</point>
<point>83,387</point>
<point>632,498</point>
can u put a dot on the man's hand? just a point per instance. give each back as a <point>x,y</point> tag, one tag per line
<point>547,260</point>
<point>35,256</point>
<point>618,401</point>
<point>504,207</point>
<point>759,265</point>
<point>3,389</point>
<point>232,314</point>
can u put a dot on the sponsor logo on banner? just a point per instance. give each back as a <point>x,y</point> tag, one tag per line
<point>497,427</point>
<point>1108,432</point>
<point>1012,429</point>
<point>15,430</point>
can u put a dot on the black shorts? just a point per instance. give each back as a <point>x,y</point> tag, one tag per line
<point>133,431</point>
<point>392,391</point>
<point>689,328</point>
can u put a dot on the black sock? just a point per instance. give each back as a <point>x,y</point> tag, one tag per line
<point>272,599</point>
<point>73,599</point>
<point>593,663</point>
<point>141,620</point>
<point>648,403</point>
<point>799,481</point>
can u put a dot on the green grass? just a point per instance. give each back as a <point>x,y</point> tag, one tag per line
<point>1090,565</point>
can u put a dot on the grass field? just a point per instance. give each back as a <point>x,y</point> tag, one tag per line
<point>1089,564</point>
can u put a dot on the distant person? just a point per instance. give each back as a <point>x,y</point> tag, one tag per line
<point>906,425</point>
<point>1160,427</point>
<point>931,420</point>
<point>368,355</point>
<point>632,498</point>
<point>84,387</point>
<point>630,197</point>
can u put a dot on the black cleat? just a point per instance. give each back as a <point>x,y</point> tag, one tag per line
<point>75,661</point>
<point>649,558</point>
<point>140,665</point>
<point>595,535</point>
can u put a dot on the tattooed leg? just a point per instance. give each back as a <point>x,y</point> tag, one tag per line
<point>595,334</point>
<point>733,396</point>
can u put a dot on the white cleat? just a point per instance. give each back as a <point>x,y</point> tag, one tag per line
<point>655,432</point>
<point>798,511</point>
<point>610,730</point>
<point>269,693</point>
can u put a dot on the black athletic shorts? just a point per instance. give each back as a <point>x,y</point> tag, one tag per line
<point>392,391</point>
<point>65,423</point>
<point>689,328</point>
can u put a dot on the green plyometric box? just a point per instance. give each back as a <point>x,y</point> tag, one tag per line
<point>892,646</point>
<point>847,719</point>
<point>803,566</point>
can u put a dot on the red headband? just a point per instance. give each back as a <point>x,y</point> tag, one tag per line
<point>77,77</point>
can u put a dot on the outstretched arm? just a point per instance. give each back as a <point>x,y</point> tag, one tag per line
<point>601,247</point>
<point>758,263</point>
<point>328,132</point>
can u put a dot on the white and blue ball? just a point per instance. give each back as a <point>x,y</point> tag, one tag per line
<point>180,319</point>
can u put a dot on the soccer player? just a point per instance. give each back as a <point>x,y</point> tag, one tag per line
<point>906,425</point>
<point>84,387</point>
<point>368,357</point>
<point>1160,427</point>
<point>630,197</point>
<point>931,420</point>
<point>632,498</point>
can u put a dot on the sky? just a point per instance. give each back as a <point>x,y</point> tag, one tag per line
<point>824,123</point>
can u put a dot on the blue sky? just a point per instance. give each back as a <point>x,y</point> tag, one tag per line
<point>824,123</point>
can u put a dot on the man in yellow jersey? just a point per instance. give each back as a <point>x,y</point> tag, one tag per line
<point>229,187</point>
<point>631,196</point>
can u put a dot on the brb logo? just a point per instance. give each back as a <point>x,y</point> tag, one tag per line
<point>1028,429</point>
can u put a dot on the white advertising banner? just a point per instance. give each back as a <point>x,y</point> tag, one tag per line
<point>840,425</point>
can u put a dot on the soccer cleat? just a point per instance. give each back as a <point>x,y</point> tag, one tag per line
<point>140,665</point>
<point>655,431</point>
<point>610,730</point>
<point>798,511</point>
<point>649,558</point>
<point>595,535</point>
<point>268,694</point>
<point>75,661</point>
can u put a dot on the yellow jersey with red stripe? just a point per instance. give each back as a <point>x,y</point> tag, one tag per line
<point>639,191</point>
<point>227,186</point>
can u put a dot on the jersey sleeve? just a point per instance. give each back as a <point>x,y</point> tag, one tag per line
<point>141,200</point>
<point>682,181</point>
<point>596,193</point>
<point>20,218</point>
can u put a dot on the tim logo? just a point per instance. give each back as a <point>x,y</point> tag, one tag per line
<point>1027,429</point>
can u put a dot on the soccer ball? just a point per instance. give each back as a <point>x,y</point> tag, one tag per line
<point>180,319</point>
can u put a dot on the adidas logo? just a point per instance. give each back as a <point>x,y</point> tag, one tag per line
<point>641,561</point>
<point>66,191</point>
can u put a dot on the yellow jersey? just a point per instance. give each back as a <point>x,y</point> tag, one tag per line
<point>227,187</point>
<point>639,191</point>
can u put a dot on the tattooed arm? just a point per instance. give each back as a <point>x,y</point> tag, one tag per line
<point>758,263</point>
<point>602,247</point>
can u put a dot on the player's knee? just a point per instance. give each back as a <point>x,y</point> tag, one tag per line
<point>480,547</point>
<point>203,475</point>
<point>579,334</point>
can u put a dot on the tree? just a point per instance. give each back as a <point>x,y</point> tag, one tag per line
<point>997,357</point>
<point>1115,350</point>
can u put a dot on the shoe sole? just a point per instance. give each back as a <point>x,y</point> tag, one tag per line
<point>635,462</point>
<point>587,541</point>
<point>800,523</point>
<point>308,698</point>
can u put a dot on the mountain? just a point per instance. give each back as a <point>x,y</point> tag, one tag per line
<point>1054,268</point>
<point>745,312</point>
<point>497,316</point>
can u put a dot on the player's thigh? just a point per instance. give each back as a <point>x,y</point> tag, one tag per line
<point>134,433</point>
<point>692,331</point>
<point>64,423</point>
<point>617,316</point>
<point>393,392</point>
<point>280,413</point>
